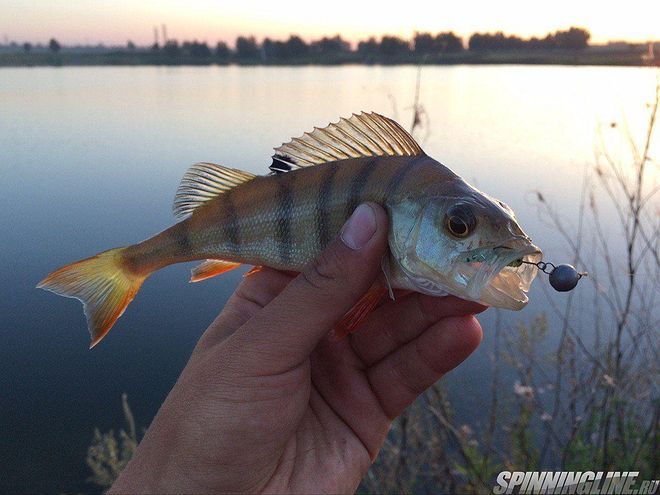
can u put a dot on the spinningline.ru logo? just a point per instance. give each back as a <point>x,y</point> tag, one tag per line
<point>578,482</point>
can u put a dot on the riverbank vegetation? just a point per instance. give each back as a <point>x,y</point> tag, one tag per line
<point>569,47</point>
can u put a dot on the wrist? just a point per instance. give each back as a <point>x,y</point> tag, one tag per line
<point>154,467</point>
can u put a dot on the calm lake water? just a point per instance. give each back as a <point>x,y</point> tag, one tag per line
<point>90,159</point>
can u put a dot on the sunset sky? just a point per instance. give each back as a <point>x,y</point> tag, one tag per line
<point>115,22</point>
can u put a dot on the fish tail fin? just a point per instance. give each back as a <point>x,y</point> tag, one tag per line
<point>104,285</point>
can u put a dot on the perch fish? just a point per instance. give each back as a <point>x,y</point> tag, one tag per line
<point>445,236</point>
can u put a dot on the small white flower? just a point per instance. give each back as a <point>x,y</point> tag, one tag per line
<point>546,417</point>
<point>523,390</point>
<point>609,381</point>
<point>466,431</point>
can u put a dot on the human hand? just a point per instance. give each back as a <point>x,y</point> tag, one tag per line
<point>269,403</point>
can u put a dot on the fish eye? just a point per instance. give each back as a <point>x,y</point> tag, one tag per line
<point>460,221</point>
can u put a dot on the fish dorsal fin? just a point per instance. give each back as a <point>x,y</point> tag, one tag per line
<point>363,135</point>
<point>203,182</point>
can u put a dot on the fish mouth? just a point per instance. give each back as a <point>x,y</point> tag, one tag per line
<point>497,276</point>
<point>509,286</point>
<point>500,276</point>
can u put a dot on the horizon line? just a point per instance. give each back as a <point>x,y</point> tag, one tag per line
<point>6,42</point>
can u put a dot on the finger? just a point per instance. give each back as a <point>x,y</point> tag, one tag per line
<point>398,322</point>
<point>257,291</point>
<point>338,376</point>
<point>398,379</point>
<point>286,331</point>
<point>251,295</point>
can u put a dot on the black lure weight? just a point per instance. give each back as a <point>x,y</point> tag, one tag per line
<point>563,278</point>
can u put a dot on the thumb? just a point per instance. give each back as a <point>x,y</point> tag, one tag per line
<point>287,330</point>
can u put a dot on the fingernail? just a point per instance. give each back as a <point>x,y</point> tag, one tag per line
<point>359,228</point>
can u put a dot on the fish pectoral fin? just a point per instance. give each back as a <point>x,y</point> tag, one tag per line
<point>361,135</point>
<point>351,320</point>
<point>253,270</point>
<point>211,268</point>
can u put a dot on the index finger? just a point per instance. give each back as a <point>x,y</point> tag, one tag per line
<point>398,379</point>
<point>398,322</point>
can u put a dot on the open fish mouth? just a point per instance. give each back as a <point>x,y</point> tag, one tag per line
<point>509,286</point>
<point>500,276</point>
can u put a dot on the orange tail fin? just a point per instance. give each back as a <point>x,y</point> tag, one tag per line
<point>102,284</point>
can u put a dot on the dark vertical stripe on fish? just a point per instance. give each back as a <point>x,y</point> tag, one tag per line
<point>230,229</point>
<point>182,238</point>
<point>323,233</point>
<point>358,185</point>
<point>285,210</point>
<point>397,179</point>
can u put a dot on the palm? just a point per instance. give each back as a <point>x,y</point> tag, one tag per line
<point>331,412</point>
<point>342,425</point>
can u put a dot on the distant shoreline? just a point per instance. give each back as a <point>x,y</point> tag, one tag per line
<point>146,58</point>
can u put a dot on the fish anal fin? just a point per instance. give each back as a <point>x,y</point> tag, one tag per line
<point>361,135</point>
<point>202,183</point>
<point>211,268</point>
<point>351,320</point>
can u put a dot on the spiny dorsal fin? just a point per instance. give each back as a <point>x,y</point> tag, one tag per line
<point>366,134</point>
<point>203,182</point>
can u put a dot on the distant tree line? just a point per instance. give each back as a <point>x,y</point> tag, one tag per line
<point>423,44</point>
<point>573,39</point>
<point>53,45</point>
<point>388,47</point>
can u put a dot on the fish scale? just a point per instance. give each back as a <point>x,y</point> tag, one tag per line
<point>306,212</point>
